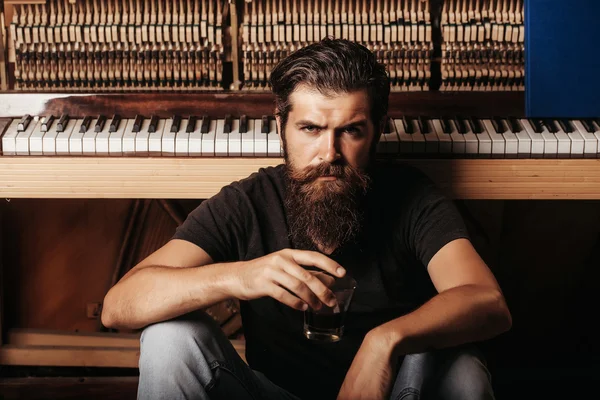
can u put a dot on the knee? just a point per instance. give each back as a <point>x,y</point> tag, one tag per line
<point>177,342</point>
<point>467,378</point>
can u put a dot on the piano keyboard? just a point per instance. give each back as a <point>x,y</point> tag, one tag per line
<point>203,136</point>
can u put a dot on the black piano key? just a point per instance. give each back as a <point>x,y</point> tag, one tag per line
<point>176,124</point>
<point>424,124</point>
<point>566,125</point>
<point>408,126</point>
<point>537,125</point>
<point>114,124</point>
<point>62,123</point>
<point>499,125</point>
<point>47,124</point>
<point>205,124</point>
<point>550,125</point>
<point>153,124</point>
<point>85,124</point>
<point>265,124</point>
<point>475,125</point>
<point>514,124</point>
<point>137,123</point>
<point>243,124</point>
<point>227,124</point>
<point>446,127</point>
<point>588,124</point>
<point>598,122</point>
<point>24,122</point>
<point>191,125</point>
<point>100,123</point>
<point>460,125</point>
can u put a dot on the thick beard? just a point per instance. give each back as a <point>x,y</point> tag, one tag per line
<point>324,213</point>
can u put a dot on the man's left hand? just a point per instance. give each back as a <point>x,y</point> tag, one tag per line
<point>370,376</point>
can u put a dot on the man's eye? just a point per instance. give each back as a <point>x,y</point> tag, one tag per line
<point>352,131</point>
<point>309,128</point>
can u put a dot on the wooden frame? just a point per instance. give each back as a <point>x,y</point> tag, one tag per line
<point>58,348</point>
<point>201,178</point>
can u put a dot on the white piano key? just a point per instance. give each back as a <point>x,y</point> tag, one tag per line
<point>9,139</point>
<point>182,140</point>
<point>195,142</point>
<point>511,143</point>
<point>419,143</point>
<point>76,139</point>
<point>234,142</point>
<point>405,139</point>
<point>155,141</point>
<point>564,142</point>
<point>458,140</point>
<point>577,143</point>
<point>63,138</point>
<point>248,140</point>
<point>524,142</point>
<point>497,140</point>
<point>273,143</point>
<point>115,140</point>
<point>49,141</point>
<point>392,142</point>
<point>36,139</point>
<point>432,143</point>
<point>221,140</point>
<point>471,141</point>
<point>22,139</point>
<point>537,140</point>
<point>102,140</point>
<point>89,139</point>
<point>142,138</point>
<point>168,139</point>
<point>485,142</point>
<point>382,144</point>
<point>590,145</point>
<point>445,142</point>
<point>260,140</point>
<point>129,138</point>
<point>208,140</point>
<point>550,144</point>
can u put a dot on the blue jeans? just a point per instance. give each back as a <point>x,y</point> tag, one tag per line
<point>190,358</point>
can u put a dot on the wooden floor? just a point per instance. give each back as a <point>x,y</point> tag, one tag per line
<point>516,385</point>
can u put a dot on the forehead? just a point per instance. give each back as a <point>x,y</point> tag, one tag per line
<point>308,103</point>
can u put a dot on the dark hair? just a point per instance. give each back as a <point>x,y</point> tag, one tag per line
<point>331,66</point>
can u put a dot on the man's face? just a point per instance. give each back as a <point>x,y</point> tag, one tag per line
<point>321,129</point>
<point>327,143</point>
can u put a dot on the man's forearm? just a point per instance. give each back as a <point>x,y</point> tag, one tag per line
<point>157,293</point>
<point>459,315</point>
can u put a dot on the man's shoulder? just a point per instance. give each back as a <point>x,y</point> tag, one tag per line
<point>262,181</point>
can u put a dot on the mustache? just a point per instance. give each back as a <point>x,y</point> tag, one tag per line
<point>311,173</point>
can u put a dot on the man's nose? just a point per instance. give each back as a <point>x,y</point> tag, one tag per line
<point>329,151</point>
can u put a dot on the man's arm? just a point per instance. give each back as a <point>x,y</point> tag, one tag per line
<point>180,278</point>
<point>469,305</point>
<point>141,297</point>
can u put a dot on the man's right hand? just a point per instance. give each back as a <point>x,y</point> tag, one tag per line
<point>281,276</point>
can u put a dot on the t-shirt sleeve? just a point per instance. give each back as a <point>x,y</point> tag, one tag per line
<point>433,219</point>
<point>219,225</point>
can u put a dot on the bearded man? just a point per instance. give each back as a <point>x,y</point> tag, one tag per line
<point>277,239</point>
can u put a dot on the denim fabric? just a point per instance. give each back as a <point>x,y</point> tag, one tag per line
<point>190,358</point>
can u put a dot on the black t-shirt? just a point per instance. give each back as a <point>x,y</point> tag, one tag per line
<point>407,220</point>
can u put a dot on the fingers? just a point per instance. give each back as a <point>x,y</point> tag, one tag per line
<point>285,297</point>
<point>327,279</point>
<point>314,284</point>
<point>312,258</point>
<point>297,287</point>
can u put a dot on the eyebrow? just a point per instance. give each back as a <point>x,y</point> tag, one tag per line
<point>359,123</point>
